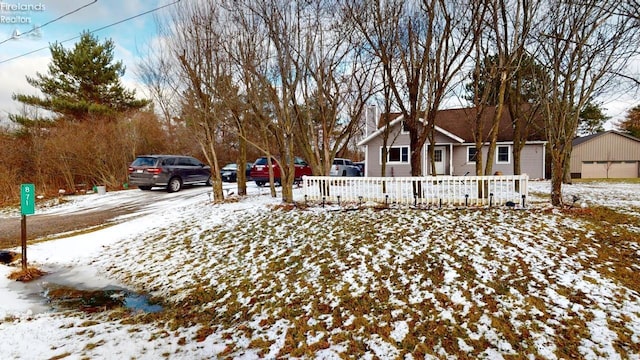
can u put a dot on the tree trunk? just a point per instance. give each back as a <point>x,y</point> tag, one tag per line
<point>432,152</point>
<point>415,154</point>
<point>518,140</point>
<point>416,162</point>
<point>517,155</point>
<point>517,152</point>
<point>272,187</point>
<point>557,175</point>
<point>287,171</point>
<point>478,158</point>
<point>211,155</point>
<point>241,174</point>
<point>495,126</point>
<point>567,164</point>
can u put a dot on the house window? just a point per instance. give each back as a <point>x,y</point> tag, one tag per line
<point>471,154</point>
<point>437,155</point>
<point>503,154</point>
<point>397,154</point>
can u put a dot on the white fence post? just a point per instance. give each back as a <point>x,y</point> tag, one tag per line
<point>434,190</point>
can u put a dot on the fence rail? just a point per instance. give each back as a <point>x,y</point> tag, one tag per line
<point>429,190</point>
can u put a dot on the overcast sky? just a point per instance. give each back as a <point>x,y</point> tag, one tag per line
<point>130,37</point>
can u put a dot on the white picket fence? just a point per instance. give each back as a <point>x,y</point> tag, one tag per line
<point>429,190</point>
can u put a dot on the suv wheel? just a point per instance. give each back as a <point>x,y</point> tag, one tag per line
<point>260,183</point>
<point>175,184</point>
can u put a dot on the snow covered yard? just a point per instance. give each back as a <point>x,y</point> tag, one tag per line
<point>253,279</point>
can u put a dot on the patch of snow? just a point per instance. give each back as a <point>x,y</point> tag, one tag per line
<point>399,331</point>
<point>511,266</point>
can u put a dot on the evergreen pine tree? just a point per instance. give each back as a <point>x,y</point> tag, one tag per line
<point>592,119</point>
<point>82,83</point>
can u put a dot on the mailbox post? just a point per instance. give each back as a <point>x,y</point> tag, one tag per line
<point>27,207</point>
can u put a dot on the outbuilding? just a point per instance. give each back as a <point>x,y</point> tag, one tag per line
<point>608,155</point>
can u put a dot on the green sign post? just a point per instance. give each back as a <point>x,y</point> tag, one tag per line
<point>27,207</point>
<point>27,199</point>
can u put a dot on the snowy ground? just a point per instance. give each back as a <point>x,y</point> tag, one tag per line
<point>251,279</point>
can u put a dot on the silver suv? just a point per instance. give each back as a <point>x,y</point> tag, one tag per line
<point>344,167</point>
<point>170,171</point>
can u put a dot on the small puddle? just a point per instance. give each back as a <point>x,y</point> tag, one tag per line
<point>81,288</point>
<point>91,301</point>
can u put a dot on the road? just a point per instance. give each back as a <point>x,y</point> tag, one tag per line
<point>86,211</point>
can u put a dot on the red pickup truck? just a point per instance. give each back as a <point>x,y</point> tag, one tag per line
<point>260,170</point>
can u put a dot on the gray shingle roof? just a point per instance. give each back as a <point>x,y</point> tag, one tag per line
<point>582,139</point>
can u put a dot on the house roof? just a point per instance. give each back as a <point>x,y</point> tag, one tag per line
<point>583,139</point>
<point>458,125</point>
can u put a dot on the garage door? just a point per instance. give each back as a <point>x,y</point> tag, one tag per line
<point>609,169</point>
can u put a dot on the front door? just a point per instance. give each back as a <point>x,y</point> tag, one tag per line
<point>438,159</point>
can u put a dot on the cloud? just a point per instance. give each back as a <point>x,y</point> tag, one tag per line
<point>13,75</point>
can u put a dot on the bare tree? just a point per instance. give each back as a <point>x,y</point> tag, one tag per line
<point>523,102</point>
<point>377,24</point>
<point>630,9</point>
<point>583,45</point>
<point>157,71</point>
<point>197,45</point>
<point>339,82</point>
<point>387,140</point>
<point>482,85</point>
<point>500,54</point>
<point>247,49</point>
<point>270,73</point>
<point>510,24</point>
<point>430,42</point>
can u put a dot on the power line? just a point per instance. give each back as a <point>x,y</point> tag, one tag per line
<point>51,21</point>
<point>93,31</point>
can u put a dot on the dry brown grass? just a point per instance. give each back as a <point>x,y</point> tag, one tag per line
<point>615,244</point>
<point>289,266</point>
<point>31,273</point>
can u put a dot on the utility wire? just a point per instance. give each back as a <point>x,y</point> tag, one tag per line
<point>92,31</point>
<point>51,21</point>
